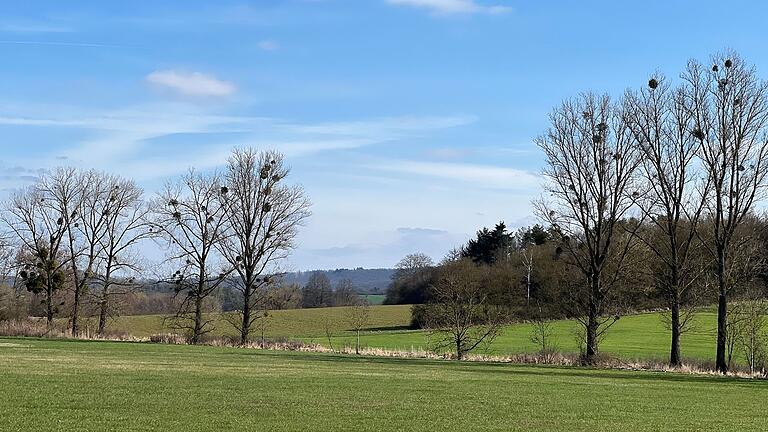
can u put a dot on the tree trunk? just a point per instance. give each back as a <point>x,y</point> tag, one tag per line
<point>198,328</point>
<point>103,314</point>
<point>674,354</point>
<point>722,313</point>
<point>591,349</point>
<point>592,322</point>
<point>49,307</point>
<point>245,327</point>
<point>459,354</point>
<point>75,312</point>
<point>722,323</point>
<point>104,304</point>
<point>357,346</point>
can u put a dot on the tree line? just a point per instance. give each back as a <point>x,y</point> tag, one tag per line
<point>83,231</point>
<point>652,199</point>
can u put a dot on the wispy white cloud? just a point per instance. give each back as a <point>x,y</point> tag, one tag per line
<point>12,177</point>
<point>392,127</point>
<point>126,141</point>
<point>488,176</point>
<point>452,7</point>
<point>268,45</point>
<point>191,83</point>
<point>446,153</point>
<point>382,248</point>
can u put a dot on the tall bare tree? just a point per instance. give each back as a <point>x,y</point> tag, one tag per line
<point>40,231</point>
<point>590,168</point>
<point>82,198</point>
<point>190,217</point>
<point>264,214</point>
<point>66,188</point>
<point>661,124</point>
<point>729,104</point>
<point>126,226</point>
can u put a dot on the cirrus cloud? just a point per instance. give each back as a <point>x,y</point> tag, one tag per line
<point>191,83</point>
<point>450,7</point>
<point>487,176</point>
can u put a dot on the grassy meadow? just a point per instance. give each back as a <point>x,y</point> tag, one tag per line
<point>374,299</point>
<point>642,336</point>
<point>70,385</point>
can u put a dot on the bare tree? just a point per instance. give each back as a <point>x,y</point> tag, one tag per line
<point>460,317</point>
<point>411,279</point>
<point>79,198</point>
<point>590,168</point>
<point>673,200</point>
<point>12,303</point>
<point>125,226</point>
<point>328,327</point>
<point>318,291</point>
<point>413,263</point>
<point>358,316</point>
<point>730,109</point>
<point>262,324</point>
<point>542,334</point>
<point>7,258</point>
<point>190,217</point>
<point>283,296</point>
<point>526,255</point>
<point>90,221</point>
<point>40,231</point>
<point>344,294</point>
<point>263,217</point>
<point>747,325</point>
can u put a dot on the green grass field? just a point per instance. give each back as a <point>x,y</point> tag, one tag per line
<point>374,299</point>
<point>292,323</point>
<point>68,385</point>
<point>641,336</point>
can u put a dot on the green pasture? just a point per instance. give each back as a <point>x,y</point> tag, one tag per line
<point>68,385</point>
<point>641,336</point>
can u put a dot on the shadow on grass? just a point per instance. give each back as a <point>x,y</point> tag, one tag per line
<point>391,328</point>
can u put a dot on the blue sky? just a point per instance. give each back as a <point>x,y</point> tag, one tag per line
<point>409,122</point>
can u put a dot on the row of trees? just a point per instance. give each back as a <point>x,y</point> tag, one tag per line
<point>684,158</point>
<point>84,230</point>
<point>318,292</point>
<point>528,278</point>
<point>79,230</point>
<point>651,201</point>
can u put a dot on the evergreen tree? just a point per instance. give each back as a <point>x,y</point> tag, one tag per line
<point>489,245</point>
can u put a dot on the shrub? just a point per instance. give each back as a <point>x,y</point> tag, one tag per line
<point>12,306</point>
<point>29,327</point>
<point>169,338</point>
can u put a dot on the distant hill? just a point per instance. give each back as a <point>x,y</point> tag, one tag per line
<point>364,280</point>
